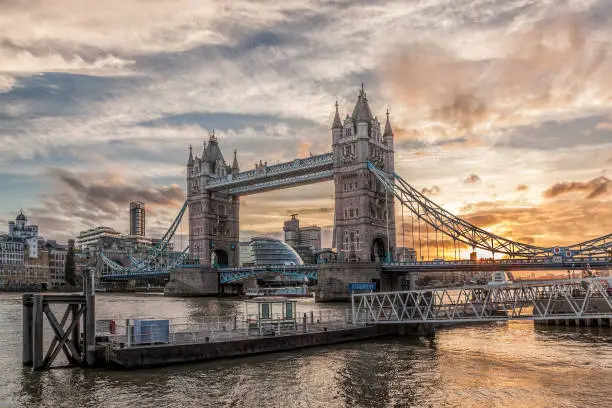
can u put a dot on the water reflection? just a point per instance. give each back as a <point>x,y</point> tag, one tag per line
<point>501,365</point>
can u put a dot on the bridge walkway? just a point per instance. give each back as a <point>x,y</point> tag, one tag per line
<point>587,298</point>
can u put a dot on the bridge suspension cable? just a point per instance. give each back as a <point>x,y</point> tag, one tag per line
<point>462,231</point>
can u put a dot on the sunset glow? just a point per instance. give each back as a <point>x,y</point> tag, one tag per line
<point>502,110</point>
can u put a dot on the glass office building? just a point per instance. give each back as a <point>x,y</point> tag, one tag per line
<point>270,251</point>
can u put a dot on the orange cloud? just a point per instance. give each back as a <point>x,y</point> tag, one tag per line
<point>304,149</point>
<point>604,126</point>
<point>595,188</point>
<point>472,179</point>
<point>550,66</point>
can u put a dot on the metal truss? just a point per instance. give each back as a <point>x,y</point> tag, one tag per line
<point>109,271</point>
<point>589,298</point>
<point>462,231</point>
<point>540,263</point>
<point>233,275</point>
<point>310,164</point>
<point>293,181</point>
<point>152,261</point>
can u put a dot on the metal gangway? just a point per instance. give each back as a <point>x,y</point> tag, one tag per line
<point>586,298</point>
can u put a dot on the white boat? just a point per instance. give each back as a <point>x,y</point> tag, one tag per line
<point>500,278</point>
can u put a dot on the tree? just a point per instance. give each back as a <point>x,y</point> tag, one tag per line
<point>70,269</point>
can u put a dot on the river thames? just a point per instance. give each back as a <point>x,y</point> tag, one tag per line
<point>493,365</point>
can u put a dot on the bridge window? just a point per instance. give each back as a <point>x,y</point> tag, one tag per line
<point>345,214</point>
<point>356,212</point>
<point>351,213</point>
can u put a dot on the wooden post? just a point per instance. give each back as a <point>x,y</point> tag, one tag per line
<point>26,353</point>
<point>76,332</point>
<point>90,317</point>
<point>37,333</point>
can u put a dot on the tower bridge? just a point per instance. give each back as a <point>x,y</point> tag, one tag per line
<point>366,189</point>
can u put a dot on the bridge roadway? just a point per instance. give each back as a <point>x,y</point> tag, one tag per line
<point>233,275</point>
<point>587,298</point>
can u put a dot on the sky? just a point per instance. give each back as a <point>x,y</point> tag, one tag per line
<point>502,109</point>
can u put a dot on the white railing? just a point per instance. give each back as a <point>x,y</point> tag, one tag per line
<point>586,298</point>
<point>146,332</point>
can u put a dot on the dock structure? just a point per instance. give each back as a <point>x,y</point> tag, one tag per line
<point>269,324</point>
<point>74,334</point>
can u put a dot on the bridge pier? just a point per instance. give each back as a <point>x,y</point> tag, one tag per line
<point>390,283</point>
<point>193,280</point>
<point>334,278</point>
<point>250,283</point>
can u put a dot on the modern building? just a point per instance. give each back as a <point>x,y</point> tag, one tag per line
<point>91,237</point>
<point>305,240</point>
<point>269,251</point>
<point>137,218</point>
<point>291,228</point>
<point>246,257</point>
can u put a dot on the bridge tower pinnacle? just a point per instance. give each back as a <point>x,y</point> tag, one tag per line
<point>364,227</point>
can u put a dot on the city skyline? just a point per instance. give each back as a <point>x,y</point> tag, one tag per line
<point>501,110</point>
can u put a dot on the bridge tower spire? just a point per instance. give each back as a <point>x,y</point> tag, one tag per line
<point>364,227</point>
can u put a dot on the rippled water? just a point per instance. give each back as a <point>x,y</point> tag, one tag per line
<point>498,365</point>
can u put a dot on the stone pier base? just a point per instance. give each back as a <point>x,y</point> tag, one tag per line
<point>334,278</point>
<point>199,281</point>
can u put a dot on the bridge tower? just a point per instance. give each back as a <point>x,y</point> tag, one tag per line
<point>213,215</point>
<point>364,221</point>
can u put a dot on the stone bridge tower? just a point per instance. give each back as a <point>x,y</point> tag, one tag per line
<point>364,221</point>
<point>213,216</point>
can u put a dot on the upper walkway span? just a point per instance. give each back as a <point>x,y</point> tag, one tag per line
<point>312,169</point>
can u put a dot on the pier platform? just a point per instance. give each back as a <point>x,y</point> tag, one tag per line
<point>203,349</point>
<point>269,324</point>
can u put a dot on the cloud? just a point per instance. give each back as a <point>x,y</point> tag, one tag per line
<point>550,63</point>
<point>433,191</point>
<point>82,200</point>
<point>310,211</point>
<point>112,191</point>
<point>472,179</point>
<point>594,188</point>
<point>604,126</point>
<point>548,223</point>
<point>522,187</point>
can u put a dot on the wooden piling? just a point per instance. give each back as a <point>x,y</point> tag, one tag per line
<point>28,314</point>
<point>76,332</point>
<point>90,318</point>
<point>37,333</point>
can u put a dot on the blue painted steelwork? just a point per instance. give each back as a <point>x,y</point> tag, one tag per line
<point>233,275</point>
<point>148,267</point>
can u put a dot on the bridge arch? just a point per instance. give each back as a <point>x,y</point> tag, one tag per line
<point>378,249</point>
<point>219,258</point>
